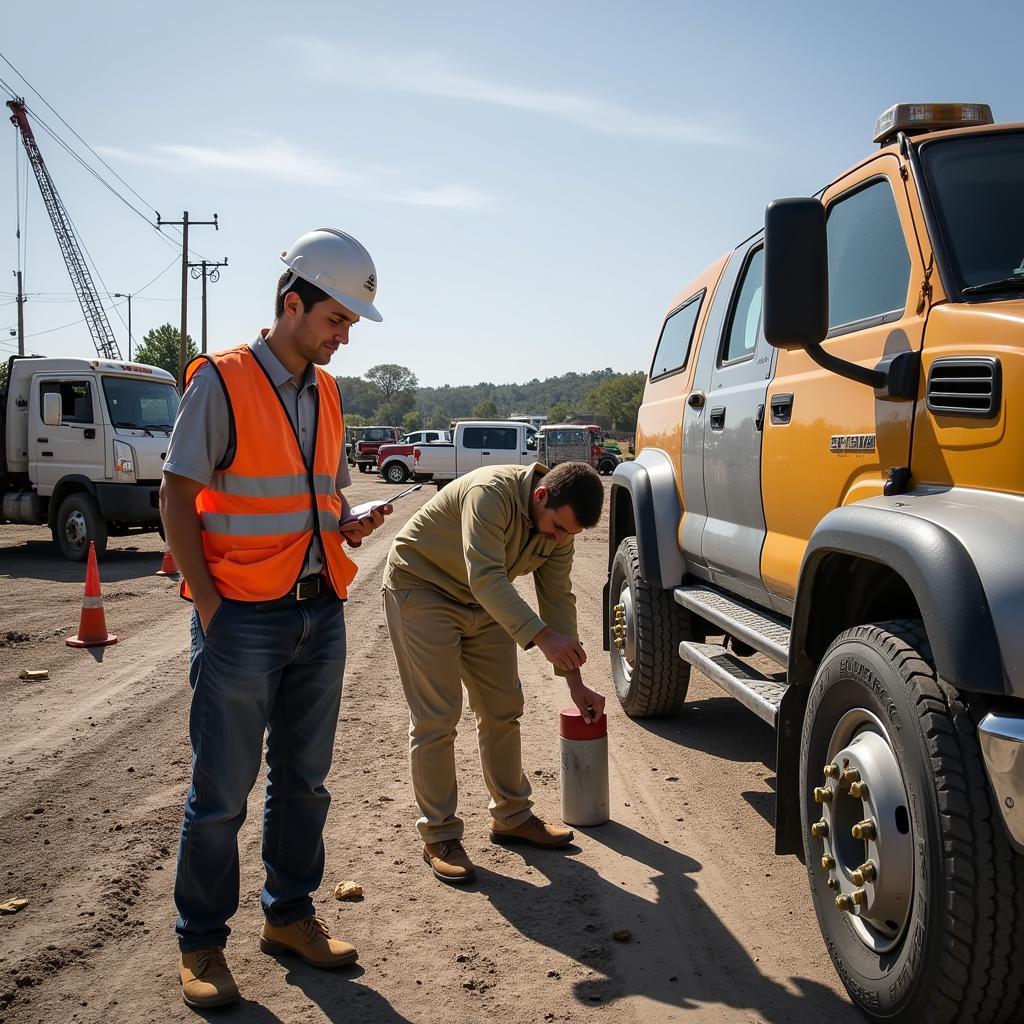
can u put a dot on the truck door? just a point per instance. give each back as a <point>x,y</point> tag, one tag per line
<point>734,411</point>
<point>74,447</point>
<point>501,446</point>
<point>829,441</point>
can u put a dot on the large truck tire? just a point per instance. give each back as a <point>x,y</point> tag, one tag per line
<point>650,678</point>
<point>917,890</point>
<point>79,522</point>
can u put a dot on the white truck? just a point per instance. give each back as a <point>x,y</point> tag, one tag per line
<point>82,447</point>
<point>474,443</point>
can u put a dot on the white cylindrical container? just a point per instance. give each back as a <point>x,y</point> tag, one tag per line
<point>584,749</point>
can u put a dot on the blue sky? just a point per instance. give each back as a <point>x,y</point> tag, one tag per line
<point>534,180</point>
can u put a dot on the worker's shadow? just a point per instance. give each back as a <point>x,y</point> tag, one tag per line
<point>338,995</point>
<point>692,958</point>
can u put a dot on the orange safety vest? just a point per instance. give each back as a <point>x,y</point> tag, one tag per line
<point>262,509</point>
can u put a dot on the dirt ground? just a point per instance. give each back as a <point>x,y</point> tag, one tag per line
<point>95,765</point>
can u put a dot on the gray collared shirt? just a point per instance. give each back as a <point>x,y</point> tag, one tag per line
<point>201,436</point>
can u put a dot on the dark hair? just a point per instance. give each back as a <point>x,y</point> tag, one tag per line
<point>309,293</point>
<point>577,485</point>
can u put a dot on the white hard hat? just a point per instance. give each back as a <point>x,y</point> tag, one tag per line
<point>338,265</point>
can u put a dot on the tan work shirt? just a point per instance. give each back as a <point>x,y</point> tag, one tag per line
<point>475,536</point>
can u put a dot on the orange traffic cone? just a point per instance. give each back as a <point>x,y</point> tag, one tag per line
<point>168,567</point>
<point>92,629</point>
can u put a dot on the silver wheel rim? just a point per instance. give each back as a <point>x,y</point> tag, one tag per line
<point>626,652</point>
<point>76,530</point>
<point>395,474</point>
<point>860,744</point>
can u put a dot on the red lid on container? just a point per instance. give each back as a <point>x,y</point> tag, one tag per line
<point>572,726</point>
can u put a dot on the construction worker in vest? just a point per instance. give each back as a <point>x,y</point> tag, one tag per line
<point>255,518</point>
<point>455,618</point>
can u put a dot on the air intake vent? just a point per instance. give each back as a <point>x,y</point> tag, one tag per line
<point>965,387</point>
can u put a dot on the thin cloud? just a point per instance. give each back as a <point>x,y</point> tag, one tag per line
<point>432,75</point>
<point>276,159</point>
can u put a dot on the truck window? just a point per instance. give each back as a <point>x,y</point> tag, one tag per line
<point>676,336</point>
<point>745,323</point>
<point>75,399</point>
<point>868,262</point>
<point>490,438</point>
<point>140,404</point>
<point>976,187</point>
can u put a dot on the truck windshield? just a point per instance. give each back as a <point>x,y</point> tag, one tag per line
<point>140,404</point>
<point>977,187</point>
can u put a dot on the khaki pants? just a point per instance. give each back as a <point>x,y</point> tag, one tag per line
<point>439,645</point>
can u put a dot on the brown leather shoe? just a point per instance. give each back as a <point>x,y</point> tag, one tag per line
<point>206,979</point>
<point>310,940</point>
<point>449,861</point>
<point>532,831</point>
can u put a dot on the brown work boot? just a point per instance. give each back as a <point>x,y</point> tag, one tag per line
<point>449,861</point>
<point>532,831</point>
<point>206,979</point>
<point>310,940</point>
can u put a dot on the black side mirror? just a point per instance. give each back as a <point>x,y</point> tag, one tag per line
<point>795,273</point>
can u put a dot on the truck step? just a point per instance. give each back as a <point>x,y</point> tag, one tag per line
<point>751,688</point>
<point>757,627</point>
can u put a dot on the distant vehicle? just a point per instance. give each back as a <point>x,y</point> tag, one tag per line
<point>564,442</point>
<point>82,447</point>
<point>425,436</point>
<point>475,443</point>
<point>533,420</point>
<point>368,440</point>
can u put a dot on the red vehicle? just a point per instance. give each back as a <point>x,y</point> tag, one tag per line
<point>368,442</point>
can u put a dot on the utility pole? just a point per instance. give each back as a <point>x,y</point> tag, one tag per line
<point>128,296</point>
<point>21,316</point>
<point>205,269</point>
<point>183,224</point>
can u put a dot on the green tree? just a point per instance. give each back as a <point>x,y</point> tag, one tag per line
<point>438,419</point>
<point>619,399</point>
<point>560,412</point>
<point>485,409</point>
<point>412,420</point>
<point>3,375</point>
<point>160,348</point>
<point>398,388</point>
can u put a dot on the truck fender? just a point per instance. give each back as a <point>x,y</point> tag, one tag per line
<point>953,558</point>
<point>938,569</point>
<point>645,503</point>
<point>65,486</point>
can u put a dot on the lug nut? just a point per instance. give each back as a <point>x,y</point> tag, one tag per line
<point>849,776</point>
<point>832,883</point>
<point>845,903</point>
<point>859,897</point>
<point>864,829</point>
<point>859,790</point>
<point>822,794</point>
<point>865,873</point>
<point>831,771</point>
<point>819,829</point>
<point>827,862</point>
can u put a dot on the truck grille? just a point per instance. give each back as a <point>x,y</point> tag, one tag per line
<point>965,387</point>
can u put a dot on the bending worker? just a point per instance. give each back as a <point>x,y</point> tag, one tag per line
<point>455,617</point>
<point>252,506</point>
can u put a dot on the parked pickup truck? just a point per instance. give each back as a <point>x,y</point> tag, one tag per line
<point>368,441</point>
<point>396,464</point>
<point>476,443</point>
<point>82,447</point>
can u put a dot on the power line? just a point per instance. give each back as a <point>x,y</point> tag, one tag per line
<point>76,135</point>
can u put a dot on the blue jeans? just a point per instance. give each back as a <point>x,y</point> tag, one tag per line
<point>273,667</point>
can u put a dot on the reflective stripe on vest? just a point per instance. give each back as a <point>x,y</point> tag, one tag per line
<point>261,512</point>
